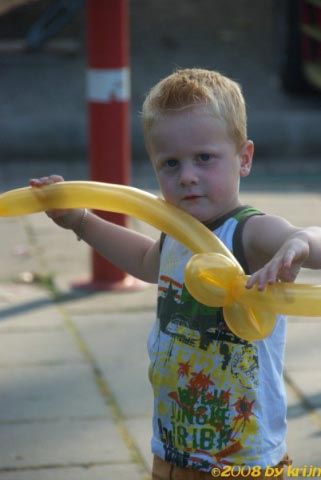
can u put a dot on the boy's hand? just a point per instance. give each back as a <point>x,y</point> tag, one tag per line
<point>284,265</point>
<point>65,218</point>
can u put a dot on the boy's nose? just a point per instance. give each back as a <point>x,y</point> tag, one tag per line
<point>188,175</point>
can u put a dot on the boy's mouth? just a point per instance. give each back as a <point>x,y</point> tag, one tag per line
<point>191,197</point>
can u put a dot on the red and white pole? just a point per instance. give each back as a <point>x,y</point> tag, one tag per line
<point>108,100</point>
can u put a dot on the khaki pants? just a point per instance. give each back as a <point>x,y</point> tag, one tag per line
<point>165,471</point>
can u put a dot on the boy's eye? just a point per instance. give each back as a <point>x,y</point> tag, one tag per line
<point>204,157</point>
<point>171,162</point>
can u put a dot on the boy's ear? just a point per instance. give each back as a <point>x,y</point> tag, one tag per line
<point>246,156</point>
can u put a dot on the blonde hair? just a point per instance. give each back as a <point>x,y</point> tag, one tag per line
<point>193,86</point>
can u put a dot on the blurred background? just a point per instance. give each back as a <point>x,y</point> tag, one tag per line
<point>273,48</point>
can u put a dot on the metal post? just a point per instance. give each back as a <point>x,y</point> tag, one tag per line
<point>108,100</point>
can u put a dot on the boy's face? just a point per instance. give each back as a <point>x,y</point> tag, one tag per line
<point>196,162</point>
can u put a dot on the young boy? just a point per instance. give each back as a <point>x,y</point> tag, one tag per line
<point>219,400</point>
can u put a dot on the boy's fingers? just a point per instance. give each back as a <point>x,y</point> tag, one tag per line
<point>33,182</point>
<point>55,178</point>
<point>266,276</point>
<point>255,279</point>
<point>288,259</point>
<point>40,182</point>
<point>50,179</point>
<point>284,269</point>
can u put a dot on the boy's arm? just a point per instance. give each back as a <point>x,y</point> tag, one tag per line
<point>128,250</point>
<point>276,250</point>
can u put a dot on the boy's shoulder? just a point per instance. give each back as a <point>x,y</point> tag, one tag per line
<point>245,212</point>
<point>264,227</point>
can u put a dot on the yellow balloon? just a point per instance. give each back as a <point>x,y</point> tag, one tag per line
<point>114,198</point>
<point>213,276</point>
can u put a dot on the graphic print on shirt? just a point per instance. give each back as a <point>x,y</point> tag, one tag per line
<point>204,379</point>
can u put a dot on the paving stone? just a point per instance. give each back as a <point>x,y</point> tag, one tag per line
<point>304,433</point>
<point>309,386</point>
<point>49,392</point>
<point>108,472</point>
<point>141,299</point>
<point>66,442</point>
<point>119,346</point>
<point>302,349</point>
<point>140,428</point>
<point>37,314</point>
<point>38,348</point>
<point>15,252</point>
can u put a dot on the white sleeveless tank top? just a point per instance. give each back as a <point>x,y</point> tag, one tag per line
<point>218,400</point>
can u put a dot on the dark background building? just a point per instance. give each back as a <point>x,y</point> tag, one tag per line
<point>258,43</point>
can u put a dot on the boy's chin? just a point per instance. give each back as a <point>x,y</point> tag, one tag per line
<point>200,216</point>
